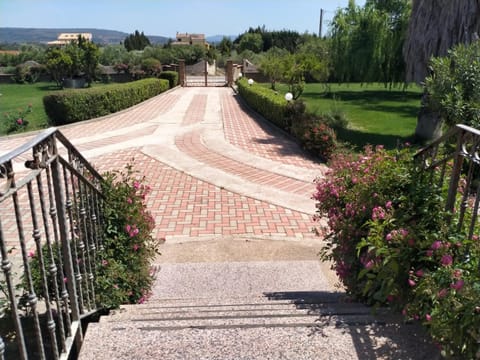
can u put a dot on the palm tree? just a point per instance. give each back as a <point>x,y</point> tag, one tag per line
<point>435,27</point>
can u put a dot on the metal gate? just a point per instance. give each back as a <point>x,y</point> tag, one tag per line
<point>202,74</point>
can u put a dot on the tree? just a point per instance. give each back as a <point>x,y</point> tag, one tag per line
<point>58,64</point>
<point>90,59</point>
<point>366,43</point>
<point>252,42</point>
<point>272,64</point>
<point>225,46</point>
<point>136,41</point>
<point>435,27</point>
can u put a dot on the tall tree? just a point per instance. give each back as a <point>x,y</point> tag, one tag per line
<point>136,41</point>
<point>435,27</point>
<point>367,42</point>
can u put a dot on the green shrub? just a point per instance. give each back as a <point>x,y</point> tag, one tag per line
<point>314,134</point>
<point>272,106</point>
<point>171,76</point>
<point>69,106</point>
<point>453,86</point>
<point>391,244</point>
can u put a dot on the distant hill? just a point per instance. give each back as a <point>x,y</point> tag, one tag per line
<point>9,35</point>
<point>217,38</point>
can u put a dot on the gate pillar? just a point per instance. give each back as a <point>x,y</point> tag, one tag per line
<point>229,73</point>
<point>182,73</point>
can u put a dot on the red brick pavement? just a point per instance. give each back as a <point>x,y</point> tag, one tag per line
<point>191,144</point>
<point>196,110</point>
<point>186,206</point>
<point>245,131</point>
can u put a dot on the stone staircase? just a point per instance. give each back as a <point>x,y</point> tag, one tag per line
<point>249,310</point>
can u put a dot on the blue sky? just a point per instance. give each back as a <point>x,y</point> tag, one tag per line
<point>166,17</point>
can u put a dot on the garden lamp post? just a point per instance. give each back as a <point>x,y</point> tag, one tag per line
<point>289,96</point>
<point>250,82</point>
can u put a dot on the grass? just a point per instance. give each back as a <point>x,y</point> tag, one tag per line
<point>17,97</point>
<point>376,115</point>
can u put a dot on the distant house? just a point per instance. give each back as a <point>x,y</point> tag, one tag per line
<point>67,38</point>
<point>190,39</point>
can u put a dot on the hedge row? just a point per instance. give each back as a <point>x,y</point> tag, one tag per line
<point>270,105</point>
<point>69,106</point>
<point>171,76</point>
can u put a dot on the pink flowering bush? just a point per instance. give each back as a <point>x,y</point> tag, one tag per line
<point>390,243</point>
<point>16,121</point>
<point>124,275</point>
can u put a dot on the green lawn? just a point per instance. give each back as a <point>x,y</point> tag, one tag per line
<point>376,115</point>
<point>17,97</point>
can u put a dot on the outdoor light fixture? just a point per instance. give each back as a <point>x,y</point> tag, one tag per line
<point>240,75</point>
<point>250,82</point>
<point>289,96</point>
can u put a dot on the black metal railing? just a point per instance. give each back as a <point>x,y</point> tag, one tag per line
<point>50,236</point>
<point>456,161</point>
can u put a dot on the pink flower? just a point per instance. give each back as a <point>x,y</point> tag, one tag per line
<point>136,247</point>
<point>442,293</point>
<point>446,260</point>
<point>378,213</point>
<point>128,228</point>
<point>136,185</point>
<point>457,273</point>
<point>429,253</point>
<point>31,254</point>
<point>428,317</point>
<point>436,245</point>
<point>129,200</point>
<point>104,262</point>
<point>369,264</point>
<point>457,285</point>
<point>419,273</point>
<point>19,121</point>
<point>411,282</point>
<point>115,286</point>
<point>388,205</point>
<point>389,237</point>
<point>65,280</point>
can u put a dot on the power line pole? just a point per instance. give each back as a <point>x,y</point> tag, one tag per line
<point>321,24</point>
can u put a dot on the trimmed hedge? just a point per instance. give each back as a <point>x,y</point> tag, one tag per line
<point>69,106</point>
<point>171,76</point>
<point>270,105</point>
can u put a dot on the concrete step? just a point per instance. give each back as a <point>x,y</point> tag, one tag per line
<point>327,340</point>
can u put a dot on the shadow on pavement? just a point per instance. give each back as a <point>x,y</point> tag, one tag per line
<point>375,336</point>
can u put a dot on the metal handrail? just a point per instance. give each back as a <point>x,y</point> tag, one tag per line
<point>51,191</point>
<point>455,158</point>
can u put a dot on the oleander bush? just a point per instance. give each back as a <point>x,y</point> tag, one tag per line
<point>122,268</point>
<point>392,245</point>
<point>69,106</point>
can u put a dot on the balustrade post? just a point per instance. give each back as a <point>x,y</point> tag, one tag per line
<point>65,245</point>
<point>456,172</point>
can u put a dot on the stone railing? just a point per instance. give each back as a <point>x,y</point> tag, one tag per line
<point>50,234</point>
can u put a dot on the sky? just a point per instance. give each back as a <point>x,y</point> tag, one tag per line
<point>167,17</point>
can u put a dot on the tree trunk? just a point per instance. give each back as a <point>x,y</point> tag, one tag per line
<point>435,27</point>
